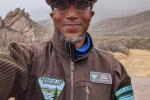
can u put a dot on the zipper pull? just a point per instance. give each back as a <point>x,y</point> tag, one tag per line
<point>87,90</point>
<point>72,66</point>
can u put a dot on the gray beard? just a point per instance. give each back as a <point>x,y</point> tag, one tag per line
<point>75,40</point>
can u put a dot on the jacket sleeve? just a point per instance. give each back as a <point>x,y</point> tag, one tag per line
<point>122,86</point>
<point>14,70</point>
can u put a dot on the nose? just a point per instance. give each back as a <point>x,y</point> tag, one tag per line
<point>72,13</point>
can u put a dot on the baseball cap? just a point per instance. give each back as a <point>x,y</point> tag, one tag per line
<point>50,1</point>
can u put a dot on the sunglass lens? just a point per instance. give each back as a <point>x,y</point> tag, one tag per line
<point>61,5</point>
<point>82,4</point>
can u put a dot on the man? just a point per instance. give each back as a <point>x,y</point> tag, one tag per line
<point>67,67</point>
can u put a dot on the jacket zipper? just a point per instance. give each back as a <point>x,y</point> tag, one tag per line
<point>72,82</point>
<point>71,73</point>
<point>87,92</point>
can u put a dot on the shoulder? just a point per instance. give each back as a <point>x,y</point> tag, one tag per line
<point>16,45</point>
<point>28,47</point>
<point>27,50</point>
<point>108,58</point>
<point>103,55</point>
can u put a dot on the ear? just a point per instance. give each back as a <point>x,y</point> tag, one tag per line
<point>52,14</point>
<point>92,13</point>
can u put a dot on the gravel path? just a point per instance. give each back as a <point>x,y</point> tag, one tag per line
<point>141,87</point>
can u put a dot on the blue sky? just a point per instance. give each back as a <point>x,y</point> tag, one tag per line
<point>38,9</point>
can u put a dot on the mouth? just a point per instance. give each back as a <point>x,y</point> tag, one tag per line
<point>72,27</point>
<point>72,24</point>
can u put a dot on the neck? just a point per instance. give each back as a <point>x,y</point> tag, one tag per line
<point>77,42</point>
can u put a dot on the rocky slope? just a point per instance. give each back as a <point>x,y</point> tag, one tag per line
<point>119,34</point>
<point>17,26</point>
<point>130,25</point>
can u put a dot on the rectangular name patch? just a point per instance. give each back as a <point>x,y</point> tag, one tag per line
<point>99,77</point>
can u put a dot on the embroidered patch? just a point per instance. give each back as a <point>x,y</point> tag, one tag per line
<point>130,97</point>
<point>51,87</point>
<point>125,93</point>
<point>98,77</point>
<point>124,90</point>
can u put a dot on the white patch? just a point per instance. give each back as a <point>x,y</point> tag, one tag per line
<point>99,77</point>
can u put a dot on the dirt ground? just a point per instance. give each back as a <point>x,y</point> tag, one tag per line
<point>137,64</point>
<point>141,87</point>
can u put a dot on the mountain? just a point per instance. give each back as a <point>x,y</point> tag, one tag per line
<point>18,26</point>
<point>135,25</point>
<point>47,24</point>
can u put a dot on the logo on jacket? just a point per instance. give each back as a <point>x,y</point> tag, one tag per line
<point>98,77</point>
<point>51,87</point>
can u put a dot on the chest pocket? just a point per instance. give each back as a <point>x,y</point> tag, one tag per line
<point>92,91</point>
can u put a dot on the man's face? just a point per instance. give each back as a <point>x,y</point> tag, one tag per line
<point>72,21</point>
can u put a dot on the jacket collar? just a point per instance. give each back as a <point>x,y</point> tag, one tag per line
<point>67,49</point>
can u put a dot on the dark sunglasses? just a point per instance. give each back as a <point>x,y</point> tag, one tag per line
<point>63,5</point>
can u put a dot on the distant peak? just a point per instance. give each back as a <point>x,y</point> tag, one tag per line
<point>12,16</point>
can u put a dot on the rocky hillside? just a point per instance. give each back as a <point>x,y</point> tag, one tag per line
<point>124,26</point>
<point>47,24</point>
<point>17,26</point>
<point>119,34</point>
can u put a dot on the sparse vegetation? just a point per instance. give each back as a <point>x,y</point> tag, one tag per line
<point>137,62</point>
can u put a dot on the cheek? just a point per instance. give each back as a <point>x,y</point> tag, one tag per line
<point>86,20</point>
<point>57,18</point>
